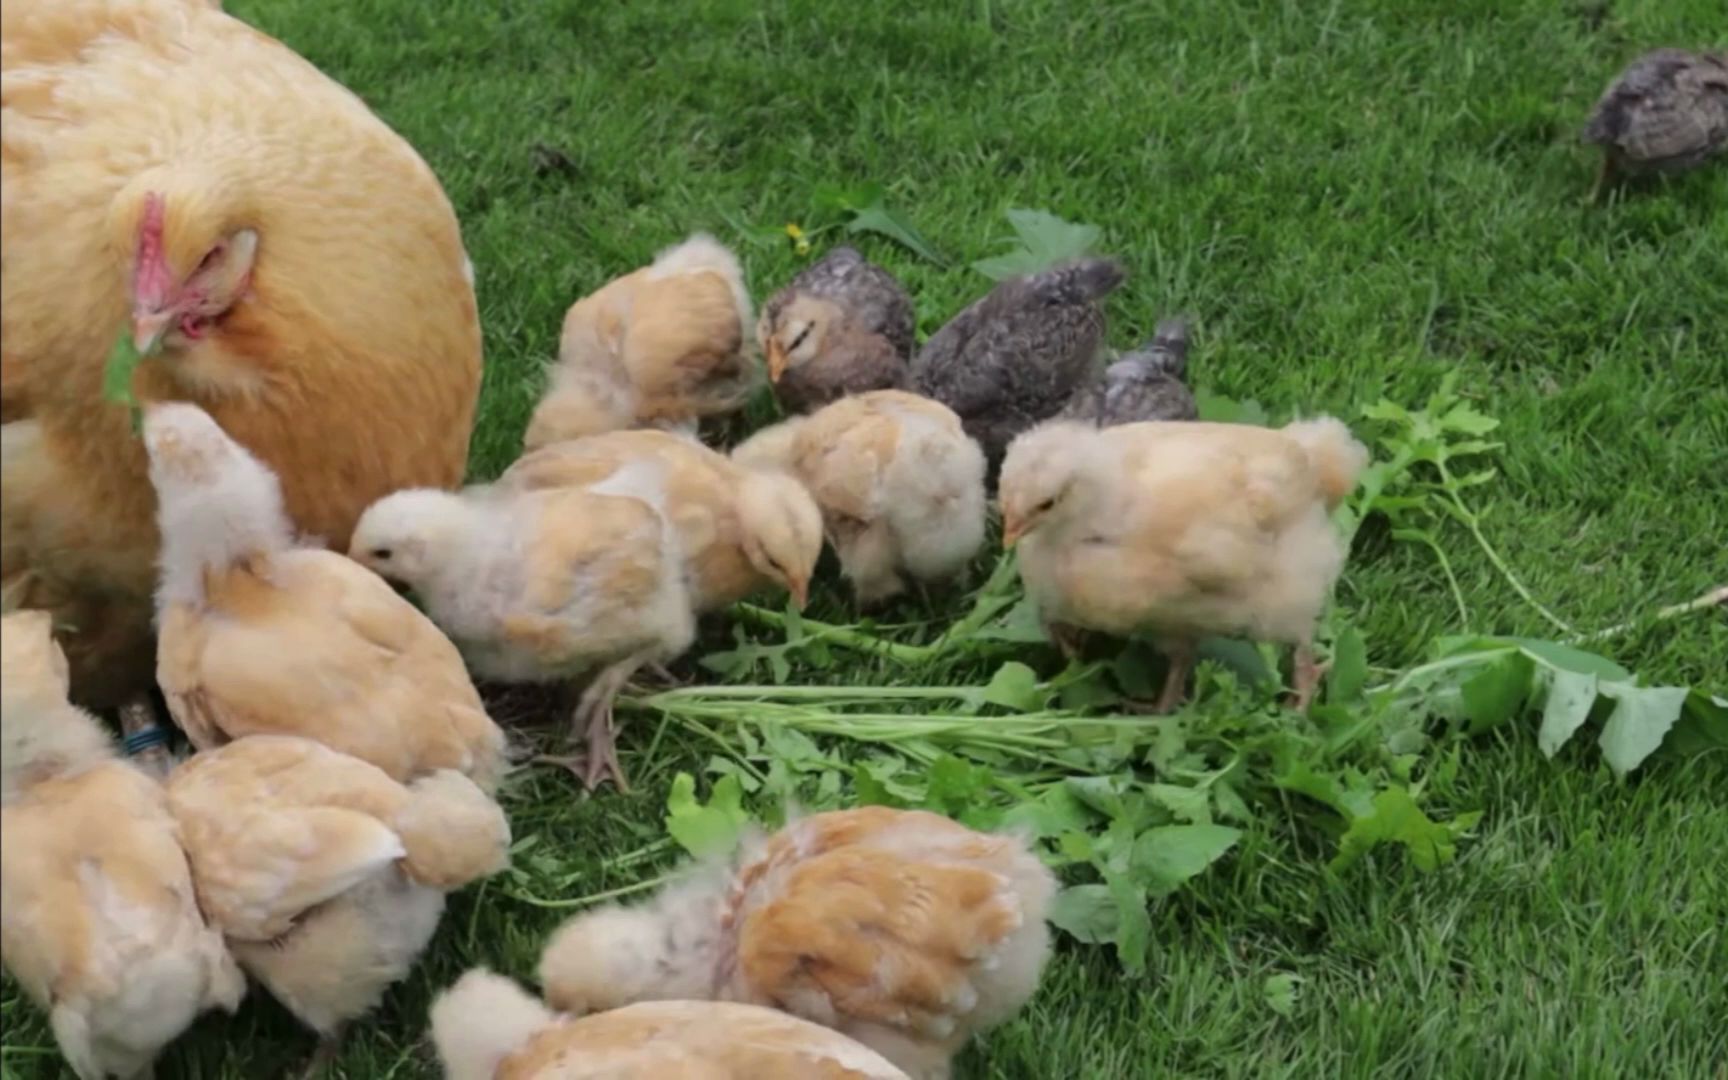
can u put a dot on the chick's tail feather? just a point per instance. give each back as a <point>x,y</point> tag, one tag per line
<point>1337,456</point>
<point>452,831</point>
<point>1168,351</point>
<point>1078,282</point>
<point>480,1021</point>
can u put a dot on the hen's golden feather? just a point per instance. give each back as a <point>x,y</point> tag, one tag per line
<point>309,643</point>
<point>350,362</point>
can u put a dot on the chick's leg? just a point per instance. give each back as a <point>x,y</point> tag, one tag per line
<point>329,1046</point>
<point>1306,676</point>
<point>594,720</point>
<point>1179,652</point>
<point>146,738</point>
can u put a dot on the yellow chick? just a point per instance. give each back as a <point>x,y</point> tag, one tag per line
<point>663,346</point>
<point>101,926</point>
<point>1180,530</point>
<point>899,928</point>
<point>545,585</point>
<point>327,876</point>
<point>262,635</point>
<point>742,531</point>
<point>900,484</point>
<point>485,1027</point>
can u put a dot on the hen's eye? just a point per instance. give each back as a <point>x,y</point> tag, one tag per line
<point>212,255</point>
<point>382,554</point>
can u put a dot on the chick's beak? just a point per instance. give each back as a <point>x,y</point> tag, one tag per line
<point>148,328</point>
<point>776,360</point>
<point>800,593</point>
<point>1012,530</point>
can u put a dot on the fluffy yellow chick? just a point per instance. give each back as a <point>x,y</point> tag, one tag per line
<point>261,635</point>
<point>900,484</point>
<point>545,585</point>
<point>487,1028</point>
<point>1180,530</point>
<point>665,345</point>
<point>327,876</point>
<point>101,925</point>
<point>898,928</point>
<point>742,531</point>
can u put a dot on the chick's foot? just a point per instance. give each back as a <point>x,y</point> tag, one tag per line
<point>594,721</point>
<point>1306,676</point>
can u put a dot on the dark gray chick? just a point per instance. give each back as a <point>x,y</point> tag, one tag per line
<point>1146,384</point>
<point>1015,356</point>
<point>1667,112</point>
<point>842,326</point>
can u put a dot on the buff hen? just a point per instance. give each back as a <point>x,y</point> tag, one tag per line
<point>102,927</point>
<point>1181,530</point>
<point>487,1028</point>
<point>326,876</point>
<point>663,346</point>
<point>261,636</point>
<point>545,585</point>
<point>900,484</point>
<point>175,176</point>
<point>742,531</point>
<point>899,928</point>
<point>842,326</point>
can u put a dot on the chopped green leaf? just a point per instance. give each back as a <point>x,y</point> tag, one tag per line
<point>1185,803</point>
<point>896,227</point>
<point>1570,695</point>
<point>1087,912</point>
<point>1349,670</point>
<point>1133,924</point>
<point>1640,721</point>
<point>1494,694</point>
<point>706,831</point>
<point>1395,818</point>
<point>1042,241</point>
<point>1015,686</point>
<point>1166,857</point>
<point>1280,991</point>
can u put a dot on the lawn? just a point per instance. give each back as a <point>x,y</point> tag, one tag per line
<point>1352,198</point>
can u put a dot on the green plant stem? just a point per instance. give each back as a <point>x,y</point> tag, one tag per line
<point>1468,517</point>
<point>1717,597</point>
<point>592,898</point>
<point>843,636</point>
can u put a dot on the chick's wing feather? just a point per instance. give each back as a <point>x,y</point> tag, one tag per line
<point>274,826</point>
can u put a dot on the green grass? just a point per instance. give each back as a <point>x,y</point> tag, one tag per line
<point>1352,197</point>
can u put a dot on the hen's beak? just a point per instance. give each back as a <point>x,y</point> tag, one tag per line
<point>1012,531</point>
<point>800,593</point>
<point>776,360</point>
<point>148,328</point>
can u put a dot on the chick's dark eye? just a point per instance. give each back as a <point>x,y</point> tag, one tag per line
<point>381,553</point>
<point>1046,505</point>
<point>799,340</point>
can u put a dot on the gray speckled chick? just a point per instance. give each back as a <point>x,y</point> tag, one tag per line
<point>1145,384</point>
<point>843,326</point>
<point>1015,356</point>
<point>1667,112</point>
